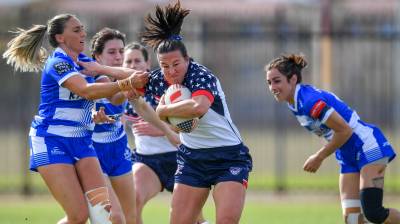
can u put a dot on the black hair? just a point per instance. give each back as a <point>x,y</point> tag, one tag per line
<point>162,32</point>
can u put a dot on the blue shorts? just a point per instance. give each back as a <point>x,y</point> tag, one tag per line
<point>115,157</point>
<point>57,149</point>
<point>206,167</point>
<point>363,147</point>
<point>163,164</point>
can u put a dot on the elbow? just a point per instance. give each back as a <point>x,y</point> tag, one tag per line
<point>199,110</point>
<point>348,132</point>
<point>87,95</point>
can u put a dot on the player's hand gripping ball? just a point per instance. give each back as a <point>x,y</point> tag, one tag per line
<point>174,94</point>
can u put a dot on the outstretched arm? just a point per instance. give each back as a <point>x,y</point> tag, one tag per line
<point>149,115</point>
<point>115,72</point>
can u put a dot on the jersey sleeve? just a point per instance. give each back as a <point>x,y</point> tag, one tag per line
<point>61,69</point>
<point>205,85</point>
<point>318,109</point>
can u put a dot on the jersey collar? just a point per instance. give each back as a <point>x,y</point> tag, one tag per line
<point>296,96</point>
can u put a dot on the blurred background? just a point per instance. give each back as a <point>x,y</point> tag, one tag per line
<point>352,46</point>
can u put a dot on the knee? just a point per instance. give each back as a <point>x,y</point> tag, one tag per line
<point>78,218</point>
<point>371,201</point>
<point>130,218</point>
<point>140,201</point>
<point>117,218</point>
<point>227,220</point>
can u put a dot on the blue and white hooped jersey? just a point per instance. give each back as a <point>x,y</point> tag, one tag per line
<point>312,107</point>
<point>148,145</point>
<point>215,128</point>
<point>107,133</point>
<point>62,112</point>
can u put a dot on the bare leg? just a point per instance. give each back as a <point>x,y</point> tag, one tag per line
<point>372,177</point>
<point>186,203</point>
<point>117,215</point>
<point>350,197</point>
<point>125,190</point>
<point>64,185</point>
<point>229,200</point>
<point>147,185</point>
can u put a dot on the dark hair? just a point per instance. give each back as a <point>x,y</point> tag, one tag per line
<point>25,51</point>
<point>137,46</point>
<point>162,31</point>
<point>288,65</point>
<point>100,38</point>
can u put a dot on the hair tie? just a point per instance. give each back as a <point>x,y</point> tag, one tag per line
<point>175,37</point>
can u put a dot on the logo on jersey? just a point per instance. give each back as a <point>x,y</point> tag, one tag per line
<point>235,170</point>
<point>62,67</point>
<point>73,96</point>
<point>128,154</point>
<point>179,169</point>
<point>57,151</point>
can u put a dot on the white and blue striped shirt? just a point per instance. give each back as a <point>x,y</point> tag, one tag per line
<point>62,112</point>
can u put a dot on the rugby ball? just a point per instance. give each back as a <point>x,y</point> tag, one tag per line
<point>174,94</point>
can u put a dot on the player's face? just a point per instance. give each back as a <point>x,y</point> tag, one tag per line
<point>113,53</point>
<point>174,66</point>
<point>134,59</point>
<point>73,36</point>
<point>282,88</point>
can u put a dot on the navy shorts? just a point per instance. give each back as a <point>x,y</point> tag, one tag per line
<point>57,149</point>
<point>206,167</point>
<point>115,157</point>
<point>163,164</point>
<point>365,146</point>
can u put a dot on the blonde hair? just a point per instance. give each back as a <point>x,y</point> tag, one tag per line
<point>25,52</point>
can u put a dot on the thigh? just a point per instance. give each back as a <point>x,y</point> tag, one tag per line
<point>349,185</point>
<point>90,174</point>
<point>147,183</point>
<point>124,189</point>
<point>372,175</point>
<point>229,200</point>
<point>64,185</point>
<point>186,203</point>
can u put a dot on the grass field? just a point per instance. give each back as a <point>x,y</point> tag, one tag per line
<point>260,208</point>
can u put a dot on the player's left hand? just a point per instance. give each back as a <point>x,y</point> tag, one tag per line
<point>100,117</point>
<point>313,163</point>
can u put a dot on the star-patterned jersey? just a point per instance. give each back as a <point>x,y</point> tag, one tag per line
<point>148,145</point>
<point>215,128</point>
<point>62,112</point>
<point>107,133</point>
<point>312,107</point>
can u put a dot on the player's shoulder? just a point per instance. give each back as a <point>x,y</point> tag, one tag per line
<point>58,59</point>
<point>84,58</point>
<point>308,92</point>
<point>198,71</point>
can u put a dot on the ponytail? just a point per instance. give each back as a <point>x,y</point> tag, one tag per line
<point>25,52</point>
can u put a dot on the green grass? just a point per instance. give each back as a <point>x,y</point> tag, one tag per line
<point>46,210</point>
<point>260,208</point>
